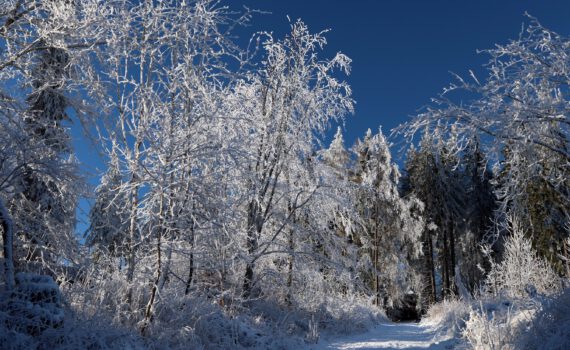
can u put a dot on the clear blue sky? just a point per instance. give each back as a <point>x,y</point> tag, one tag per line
<point>402,51</point>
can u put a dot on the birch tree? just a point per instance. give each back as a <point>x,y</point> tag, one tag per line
<point>296,96</point>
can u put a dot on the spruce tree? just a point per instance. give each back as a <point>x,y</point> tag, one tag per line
<point>433,175</point>
<point>44,211</point>
<point>419,180</point>
<point>479,190</point>
<point>108,217</point>
<point>390,232</point>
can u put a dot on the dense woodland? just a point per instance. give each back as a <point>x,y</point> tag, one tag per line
<point>221,197</point>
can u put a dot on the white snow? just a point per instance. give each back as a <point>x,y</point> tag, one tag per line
<point>391,336</point>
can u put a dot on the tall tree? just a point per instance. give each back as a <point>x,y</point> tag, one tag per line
<point>391,226</point>
<point>166,67</point>
<point>521,111</point>
<point>479,213</point>
<point>43,59</point>
<point>108,217</point>
<point>432,174</point>
<point>296,96</point>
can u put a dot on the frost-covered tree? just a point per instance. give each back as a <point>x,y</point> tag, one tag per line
<point>294,96</point>
<point>391,224</point>
<point>479,213</point>
<point>336,156</point>
<point>41,64</point>
<point>532,186</point>
<point>549,203</point>
<point>336,161</point>
<point>521,272</point>
<point>455,202</point>
<point>164,74</point>
<point>108,217</point>
<point>521,98</point>
<point>432,174</point>
<point>520,109</point>
<point>48,206</point>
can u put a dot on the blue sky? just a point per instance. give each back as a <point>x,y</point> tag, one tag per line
<point>402,51</point>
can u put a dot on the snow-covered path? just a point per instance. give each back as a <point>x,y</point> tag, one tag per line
<point>392,336</point>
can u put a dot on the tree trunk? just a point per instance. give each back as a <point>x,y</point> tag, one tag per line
<point>453,286</point>
<point>567,260</point>
<point>166,270</point>
<point>149,308</point>
<point>288,298</point>
<point>133,225</point>
<point>432,292</point>
<point>445,265</point>
<point>8,240</point>
<point>154,290</point>
<point>376,254</point>
<point>248,280</point>
<point>253,231</point>
<point>191,263</point>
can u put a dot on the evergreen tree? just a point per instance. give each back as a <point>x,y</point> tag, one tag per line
<point>108,217</point>
<point>420,181</point>
<point>454,202</point>
<point>336,156</point>
<point>481,204</point>
<point>432,174</point>
<point>390,229</point>
<point>533,188</point>
<point>45,208</point>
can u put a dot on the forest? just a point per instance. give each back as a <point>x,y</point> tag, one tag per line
<point>231,215</point>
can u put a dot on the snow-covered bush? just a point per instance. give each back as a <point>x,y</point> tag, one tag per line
<point>34,306</point>
<point>521,273</point>
<point>487,329</point>
<point>449,316</point>
<point>514,291</point>
<point>75,333</point>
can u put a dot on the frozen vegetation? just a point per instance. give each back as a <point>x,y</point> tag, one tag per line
<point>223,220</point>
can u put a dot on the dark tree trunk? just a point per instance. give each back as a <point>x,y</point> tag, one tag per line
<point>376,255</point>
<point>432,293</point>
<point>160,232</point>
<point>8,240</point>
<point>288,298</point>
<point>253,231</point>
<point>191,263</point>
<point>445,265</point>
<point>149,308</point>
<point>452,286</point>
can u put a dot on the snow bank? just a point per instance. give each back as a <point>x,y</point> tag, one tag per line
<point>550,328</point>
<point>498,323</point>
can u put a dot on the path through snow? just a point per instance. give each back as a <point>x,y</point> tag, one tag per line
<point>392,336</point>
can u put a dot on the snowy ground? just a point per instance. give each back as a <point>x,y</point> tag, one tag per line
<point>391,336</point>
